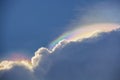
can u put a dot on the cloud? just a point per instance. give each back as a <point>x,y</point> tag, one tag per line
<point>91,59</point>
<point>94,58</point>
<point>17,73</point>
<point>105,11</point>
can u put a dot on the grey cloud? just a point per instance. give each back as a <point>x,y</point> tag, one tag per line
<point>92,59</point>
<point>17,73</point>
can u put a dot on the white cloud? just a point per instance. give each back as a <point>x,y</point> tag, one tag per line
<point>95,58</point>
<point>92,59</point>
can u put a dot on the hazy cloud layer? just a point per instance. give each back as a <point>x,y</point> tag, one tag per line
<point>95,58</point>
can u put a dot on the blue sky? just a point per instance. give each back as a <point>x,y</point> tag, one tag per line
<point>30,24</point>
<point>26,25</point>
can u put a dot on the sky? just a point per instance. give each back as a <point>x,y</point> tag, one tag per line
<point>59,39</point>
<point>27,25</point>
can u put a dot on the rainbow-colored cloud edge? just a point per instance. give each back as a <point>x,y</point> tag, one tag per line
<point>76,34</point>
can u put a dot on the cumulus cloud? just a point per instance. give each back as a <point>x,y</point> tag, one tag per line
<point>94,58</point>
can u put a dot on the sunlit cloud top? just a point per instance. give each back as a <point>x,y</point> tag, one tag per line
<point>15,59</point>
